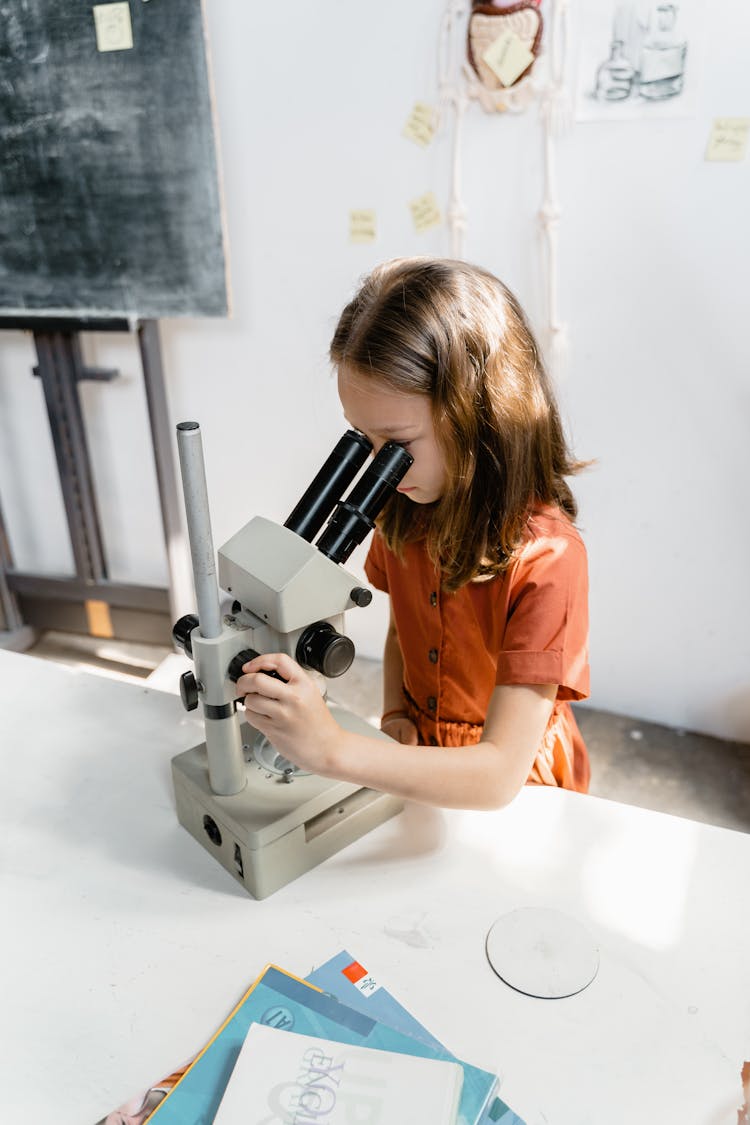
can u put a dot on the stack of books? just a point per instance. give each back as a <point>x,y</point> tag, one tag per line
<point>335,1048</point>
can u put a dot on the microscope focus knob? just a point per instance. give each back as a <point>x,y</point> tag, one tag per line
<point>188,691</point>
<point>234,671</point>
<point>361,596</point>
<point>320,647</point>
<point>182,630</point>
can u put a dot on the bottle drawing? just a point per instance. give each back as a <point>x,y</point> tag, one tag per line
<point>614,78</point>
<point>663,53</point>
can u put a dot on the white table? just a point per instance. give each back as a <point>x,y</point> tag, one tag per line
<point>125,945</point>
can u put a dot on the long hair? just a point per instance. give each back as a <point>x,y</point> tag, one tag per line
<point>455,333</point>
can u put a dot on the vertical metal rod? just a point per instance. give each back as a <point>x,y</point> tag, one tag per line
<point>226,763</point>
<point>180,594</point>
<point>190,448</point>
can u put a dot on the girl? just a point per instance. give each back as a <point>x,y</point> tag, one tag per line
<point>486,573</point>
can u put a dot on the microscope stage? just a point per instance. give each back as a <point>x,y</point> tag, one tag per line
<point>274,830</point>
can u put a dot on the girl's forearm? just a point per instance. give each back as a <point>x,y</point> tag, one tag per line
<point>393,673</point>
<point>475,777</point>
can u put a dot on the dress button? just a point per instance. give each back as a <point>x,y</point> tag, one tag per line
<point>431,703</point>
<point>433,655</point>
<point>433,598</point>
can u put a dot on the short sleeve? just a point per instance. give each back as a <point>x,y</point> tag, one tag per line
<point>375,563</point>
<point>545,640</point>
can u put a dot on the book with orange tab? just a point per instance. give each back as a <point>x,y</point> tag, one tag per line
<point>349,981</point>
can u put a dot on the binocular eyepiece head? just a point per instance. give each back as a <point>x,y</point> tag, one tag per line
<point>355,516</point>
<point>337,473</point>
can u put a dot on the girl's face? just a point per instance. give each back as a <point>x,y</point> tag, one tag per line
<point>383,414</point>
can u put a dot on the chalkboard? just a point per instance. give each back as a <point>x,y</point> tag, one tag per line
<point>109,195</point>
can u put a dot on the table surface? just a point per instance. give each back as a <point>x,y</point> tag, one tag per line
<point>125,945</point>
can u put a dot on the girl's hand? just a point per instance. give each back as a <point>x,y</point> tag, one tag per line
<point>401,728</point>
<point>293,715</point>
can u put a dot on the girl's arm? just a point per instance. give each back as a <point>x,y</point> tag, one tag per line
<point>295,718</point>
<point>396,721</point>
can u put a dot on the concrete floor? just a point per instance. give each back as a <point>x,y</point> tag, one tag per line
<point>635,762</point>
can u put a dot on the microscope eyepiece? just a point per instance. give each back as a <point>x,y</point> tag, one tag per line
<point>337,473</point>
<point>355,516</point>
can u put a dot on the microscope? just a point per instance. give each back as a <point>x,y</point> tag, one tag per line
<point>262,818</point>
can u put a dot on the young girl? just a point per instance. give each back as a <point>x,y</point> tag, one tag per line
<point>486,573</point>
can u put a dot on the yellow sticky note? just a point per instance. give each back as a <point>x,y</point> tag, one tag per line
<point>507,57</point>
<point>425,212</point>
<point>114,31</point>
<point>420,125</point>
<point>728,140</point>
<point>362,226</point>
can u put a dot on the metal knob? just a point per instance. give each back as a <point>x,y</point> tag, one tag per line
<point>182,630</point>
<point>361,596</point>
<point>188,691</point>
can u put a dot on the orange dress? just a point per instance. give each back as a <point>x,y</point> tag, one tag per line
<point>528,625</point>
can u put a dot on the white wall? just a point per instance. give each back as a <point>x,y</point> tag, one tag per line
<point>654,288</point>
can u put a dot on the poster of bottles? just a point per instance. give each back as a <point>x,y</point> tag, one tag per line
<point>638,59</point>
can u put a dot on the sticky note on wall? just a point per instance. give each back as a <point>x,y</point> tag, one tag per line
<point>114,31</point>
<point>425,212</point>
<point>508,57</point>
<point>362,227</point>
<point>421,124</point>
<point>728,139</point>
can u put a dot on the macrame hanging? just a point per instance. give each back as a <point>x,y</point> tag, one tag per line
<point>530,67</point>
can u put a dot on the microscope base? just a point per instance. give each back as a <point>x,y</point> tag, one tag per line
<point>274,831</point>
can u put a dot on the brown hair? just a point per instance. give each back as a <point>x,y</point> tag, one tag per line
<point>454,332</point>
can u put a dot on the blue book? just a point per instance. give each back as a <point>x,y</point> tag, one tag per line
<point>280,1000</point>
<point>349,982</point>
